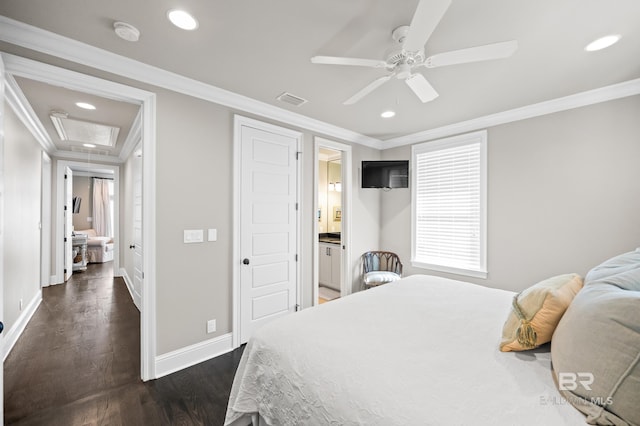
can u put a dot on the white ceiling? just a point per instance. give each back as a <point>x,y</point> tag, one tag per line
<point>262,48</point>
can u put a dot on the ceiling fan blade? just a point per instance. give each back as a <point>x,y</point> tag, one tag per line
<point>425,20</point>
<point>421,87</point>
<point>473,54</point>
<point>367,89</point>
<point>336,60</point>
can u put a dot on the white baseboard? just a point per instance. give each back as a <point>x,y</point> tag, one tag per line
<point>129,283</point>
<point>16,330</point>
<point>191,355</point>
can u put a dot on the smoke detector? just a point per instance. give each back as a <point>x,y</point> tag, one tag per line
<point>126,31</point>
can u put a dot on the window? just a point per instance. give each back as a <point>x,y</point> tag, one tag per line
<point>449,205</point>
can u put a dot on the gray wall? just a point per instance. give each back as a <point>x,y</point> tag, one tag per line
<point>563,195</point>
<point>195,191</point>
<point>22,207</point>
<point>83,188</point>
<point>194,143</point>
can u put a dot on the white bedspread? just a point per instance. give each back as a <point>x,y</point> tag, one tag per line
<point>421,351</point>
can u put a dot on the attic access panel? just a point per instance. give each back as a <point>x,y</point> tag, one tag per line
<point>72,130</point>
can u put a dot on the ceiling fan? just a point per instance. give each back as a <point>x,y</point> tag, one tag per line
<point>403,60</point>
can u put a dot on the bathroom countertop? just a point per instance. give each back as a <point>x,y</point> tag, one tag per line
<point>329,237</point>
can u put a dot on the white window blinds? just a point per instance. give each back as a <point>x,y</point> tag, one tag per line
<point>449,205</point>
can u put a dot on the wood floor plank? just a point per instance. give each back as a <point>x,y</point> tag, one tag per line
<point>78,363</point>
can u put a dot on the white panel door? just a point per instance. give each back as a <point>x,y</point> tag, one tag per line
<point>268,228</point>
<point>68,223</point>
<point>137,228</point>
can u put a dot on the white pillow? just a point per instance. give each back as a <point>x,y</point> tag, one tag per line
<point>380,277</point>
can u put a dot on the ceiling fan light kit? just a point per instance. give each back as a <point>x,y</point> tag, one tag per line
<point>403,60</point>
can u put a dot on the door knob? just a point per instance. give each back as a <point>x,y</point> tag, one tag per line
<point>132,246</point>
<point>1,326</point>
<point>245,261</point>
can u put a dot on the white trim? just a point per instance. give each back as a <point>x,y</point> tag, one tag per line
<point>456,271</point>
<point>191,355</point>
<point>21,34</point>
<point>133,138</point>
<point>590,97</point>
<point>148,292</point>
<point>235,254</point>
<point>40,40</point>
<point>45,220</point>
<point>12,335</point>
<point>129,283</point>
<point>238,122</point>
<point>346,284</point>
<point>34,70</point>
<point>21,106</point>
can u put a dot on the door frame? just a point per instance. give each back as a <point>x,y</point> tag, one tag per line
<point>45,221</point>
<point>346,282</point>
<point>2,119</point>
<point>77,166</point>
<point>28,68</point>
<point>238,122</point>
<point>64,235</point>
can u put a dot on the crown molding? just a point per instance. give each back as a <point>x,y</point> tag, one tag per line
<point>134,136</point>
<point>43,41</point>
<point>19,104</point>
<point>590,97</point>
<point>28,36</point>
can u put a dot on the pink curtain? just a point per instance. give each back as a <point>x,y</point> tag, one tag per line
<point>101,208</point>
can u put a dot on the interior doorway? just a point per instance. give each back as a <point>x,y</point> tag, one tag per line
<point>29,69</point>
<point>332,203</point>
<point>75,180</point>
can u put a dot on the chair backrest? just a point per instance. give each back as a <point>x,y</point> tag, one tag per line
<point>381,261</point>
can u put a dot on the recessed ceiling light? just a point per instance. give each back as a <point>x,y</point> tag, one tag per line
<point>602,43</point>
<point>388,114</point>
<point>126,31</point>
<point>182,19</point>
<point>85,105</point>
<point>89,145</point>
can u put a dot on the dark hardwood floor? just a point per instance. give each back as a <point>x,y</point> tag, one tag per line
<point>78,363</point>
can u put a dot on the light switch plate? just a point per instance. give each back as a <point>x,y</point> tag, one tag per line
<point>213,235</point>
<point>193,236</point>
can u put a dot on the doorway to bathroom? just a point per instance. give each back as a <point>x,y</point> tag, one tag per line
<point>332,202</point>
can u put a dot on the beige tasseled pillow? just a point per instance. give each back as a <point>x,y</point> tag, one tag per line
<point>536,312</point>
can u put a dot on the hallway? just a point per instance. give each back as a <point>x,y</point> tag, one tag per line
<point>78,363</point>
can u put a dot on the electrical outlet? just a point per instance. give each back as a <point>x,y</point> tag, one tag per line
<point>211,326</point>
<point>20,304</point>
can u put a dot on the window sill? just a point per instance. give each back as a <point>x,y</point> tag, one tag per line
<point>457,271</point>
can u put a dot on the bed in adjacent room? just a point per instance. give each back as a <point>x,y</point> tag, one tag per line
<point>99,249</point>
<point>423,350</point>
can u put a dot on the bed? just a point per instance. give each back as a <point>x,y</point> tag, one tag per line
<point>423,350</point>
<point>99,249</point>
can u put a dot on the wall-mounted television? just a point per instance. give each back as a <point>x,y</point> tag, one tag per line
<point>385,174</point>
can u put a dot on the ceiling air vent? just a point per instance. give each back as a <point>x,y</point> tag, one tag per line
<point>291,99</point>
